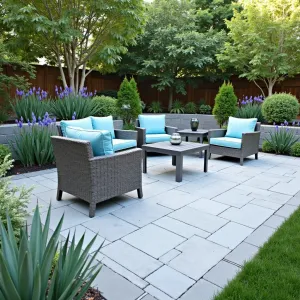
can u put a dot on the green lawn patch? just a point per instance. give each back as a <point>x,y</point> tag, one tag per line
<point>274,273</point>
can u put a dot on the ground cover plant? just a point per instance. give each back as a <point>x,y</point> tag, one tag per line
<point>273,274</point>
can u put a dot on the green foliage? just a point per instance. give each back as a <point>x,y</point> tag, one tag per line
<point>129,126</point>
<point>177,107</point>
<point>129,102</point>
<point>267,147</point>
<point>205,109</point>
<point>250,111</point>
<point>3,114</point>
<point>106,106</point>
<point>295,149</point>
<point>262,42</point>
<point>26,268</point>
<point>190,108</point>
<point>4,151</point>
<point>155,107</point>
<point>225,104</point>
<point>280,107</point>
<point>282,140</point>
<point>108,93</point>
<point>13,200</point>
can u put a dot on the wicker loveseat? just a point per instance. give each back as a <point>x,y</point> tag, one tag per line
<point>95,179</point>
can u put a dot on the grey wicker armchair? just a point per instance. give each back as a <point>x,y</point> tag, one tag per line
<point>249,146</point>
<point>95,179</point>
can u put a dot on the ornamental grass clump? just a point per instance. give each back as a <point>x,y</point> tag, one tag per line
<point>32,143</point>
<point>251,108</point>
<point>177,107</point>
<point>26,268</point>
<point>155,107</point>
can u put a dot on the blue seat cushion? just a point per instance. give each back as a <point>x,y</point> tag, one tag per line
<point>155,138</point>
<point>85,123</point>
<point>101,140</point>
<point>236,127</point>
<point>226,142</point>
<point>119,144</point>
<point>153,124</point>
<point>104,123</point>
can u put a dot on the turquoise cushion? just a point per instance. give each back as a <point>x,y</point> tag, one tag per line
<point>236,127</point>
<point>155,138</point>
<point>226,142</point>
<point>119,144</point>
<point>101,140</point>
<point>85,123</point>
<point>104,123</point>
<point>153,124</point>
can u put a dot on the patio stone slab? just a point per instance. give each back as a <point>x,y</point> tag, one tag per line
<point>107,281</point>
<point>233,198</point>
<point>50,197</point>
<point>131,258</point>
<point>169,256</point>
<point>286,210</point>
<point>198,219</point>
<point>274,221</point>
<point>242,253</point>
<point>148,297</point>
<point>158,294</point>
<point>260,183</point>
<point>253,190</point>
<point>202,290</point>
<point>153,240</point>
<point>110,227</point>
<point>250,215</point>
<point>170,281</point>
<point>290,188</point>
<point>198,256</point>
<point>260,236</point>
<point>33,201</point>
<point>208,206</point>
<point>222,273</point>
<point>180,228</point>
<point>230,235</point>
<point>273,197</point>
<point>141,214</point>
<point>48,183</point>
<point>266,204</point>
<point>294,201</point>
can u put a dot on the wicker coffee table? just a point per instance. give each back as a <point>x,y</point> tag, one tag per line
<point>177,152</point>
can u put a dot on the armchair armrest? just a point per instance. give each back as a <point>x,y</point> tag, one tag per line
<point>170,130</point>
<point>214,133</point>
<point>126,134</point>
<point>141,136</point>
<point>250,142</point>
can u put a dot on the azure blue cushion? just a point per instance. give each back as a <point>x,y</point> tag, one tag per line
<point>155,138</point>
<point>236,127</point>
<point>101,140</point>
<point>153,124</point>
<point>85,123</point>
<point>104,123</point>
<point>119,144</point>
<point>226,142</point>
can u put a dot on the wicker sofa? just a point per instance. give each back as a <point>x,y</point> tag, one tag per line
<point>95,179</point>
<point>249,144</point>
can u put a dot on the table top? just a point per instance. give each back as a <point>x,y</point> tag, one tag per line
<point>189,131</point>
<point>168,148</point>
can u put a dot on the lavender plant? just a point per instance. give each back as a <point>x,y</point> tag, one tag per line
<point>32,143</point>
<point>251,108</point>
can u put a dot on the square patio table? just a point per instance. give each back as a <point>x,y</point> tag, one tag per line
<point>177,152</point>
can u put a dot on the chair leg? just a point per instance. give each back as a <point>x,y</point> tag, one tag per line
<point>209,155</point>
<point>140,193</point>
<point>59,195</point>
<point>241,161</point>
<point>256,155</point>
<point>92,210</point>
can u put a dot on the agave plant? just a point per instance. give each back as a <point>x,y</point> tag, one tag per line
<point>25,269</point>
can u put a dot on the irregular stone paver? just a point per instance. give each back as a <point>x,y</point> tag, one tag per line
<point>274,221</point>
<point>242,253</point>
<point>260,236</point>
<point>202,290</point>
<point>208,206</point>
<point>286,210</point>
<point>222,273</point>
<point>153,240</point>
<point>170,281</point>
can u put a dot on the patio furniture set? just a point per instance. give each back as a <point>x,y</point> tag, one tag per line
<point>95,162</point>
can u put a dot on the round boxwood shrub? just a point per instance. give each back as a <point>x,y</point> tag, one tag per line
<point>4,151</point>
<point>108,93</point>
<point>267,147</point>
<point>106,106</point>
<point>280,107</point>
<point>295,149</point>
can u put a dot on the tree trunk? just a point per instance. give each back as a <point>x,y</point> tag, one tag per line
<point>271,84</point>
<point>82,80</point>
<point>171,92</point>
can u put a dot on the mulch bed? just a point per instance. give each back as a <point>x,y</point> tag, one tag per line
<point>93,294</point>
<point>18,168</point>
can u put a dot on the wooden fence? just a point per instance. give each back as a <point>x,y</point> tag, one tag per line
<point>47,77</point>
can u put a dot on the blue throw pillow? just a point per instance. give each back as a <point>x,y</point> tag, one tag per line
<point>153,124</point>
<point>85,123</point>
<point>101,140</point>
<point>236,127</point>
<point>104,123</point>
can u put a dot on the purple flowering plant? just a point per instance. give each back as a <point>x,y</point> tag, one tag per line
<point>250,107</point>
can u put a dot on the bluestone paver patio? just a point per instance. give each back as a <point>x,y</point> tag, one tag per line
<point>182,240</point>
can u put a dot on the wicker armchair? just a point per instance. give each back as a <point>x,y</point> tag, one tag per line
<point>250,144</point>
<point>95,179</point>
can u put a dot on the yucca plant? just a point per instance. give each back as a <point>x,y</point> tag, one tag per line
<point>155,107</point>
<point>25,269</point>
<point>177,107</point>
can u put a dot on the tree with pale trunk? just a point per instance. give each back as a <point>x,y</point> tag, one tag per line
<point>79,35</point>
<point>264,42</point>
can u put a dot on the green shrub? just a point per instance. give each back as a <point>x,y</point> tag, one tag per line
<point>108,93</point>
<point>267,147</point>
<point>205,109</point>
<point>177,107</point>
<point>4,151</point>
<point>190,108</point>
<point>13,200</point>
<point>280,107</point>
<point>3,114</point>
<point>129,102</point>
<point>248,111</point>
<point>106,106</point>
<point>295,149</point>
<point>225,104</point>
<point>155,107</point>
<point>26,268</point>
